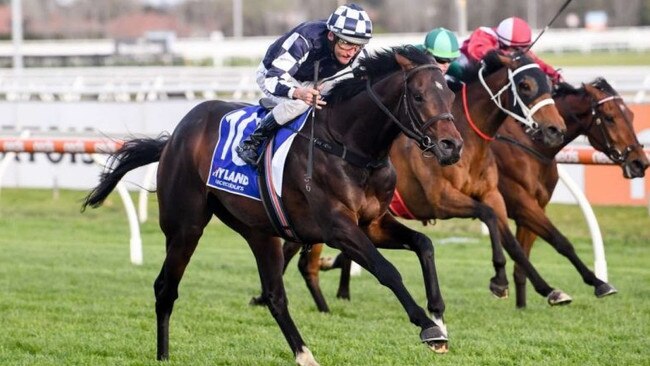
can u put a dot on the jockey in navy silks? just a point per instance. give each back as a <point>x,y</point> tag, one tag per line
<point>286,74</point>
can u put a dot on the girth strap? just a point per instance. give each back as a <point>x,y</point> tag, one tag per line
<point>272,202</point>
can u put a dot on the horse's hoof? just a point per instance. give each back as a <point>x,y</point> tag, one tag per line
<point>439,347</point>
<point>436,339</point>
<point>605,290</point>
<point>326,263</point>
<point>499,291</point>
<point>305,358</point>
<point>558,297</point>
<point>257,301</point>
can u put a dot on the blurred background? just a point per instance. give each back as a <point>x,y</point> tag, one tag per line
<point>115,68</point>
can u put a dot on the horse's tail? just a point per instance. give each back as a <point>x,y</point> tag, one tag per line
<point>133,154</point>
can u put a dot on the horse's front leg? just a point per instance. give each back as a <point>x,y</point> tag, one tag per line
<point>457,204</point>
<point>356,245</point>
<point>270,264</point>
<point>388,233</point>
<point>510,244</point>
<point>289,250</point>
<point>532,217</point>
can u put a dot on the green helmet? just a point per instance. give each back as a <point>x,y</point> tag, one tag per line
<point>442,43</point>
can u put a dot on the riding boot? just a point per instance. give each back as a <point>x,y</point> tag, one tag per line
<point>247,149</point>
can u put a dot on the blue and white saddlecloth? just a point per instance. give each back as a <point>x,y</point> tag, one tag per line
<point>229,172</point>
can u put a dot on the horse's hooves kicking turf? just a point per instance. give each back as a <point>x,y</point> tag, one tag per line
<point>559,297</point>
<point>499,291</point>
<point>605,290</point>
<point>436,339</point>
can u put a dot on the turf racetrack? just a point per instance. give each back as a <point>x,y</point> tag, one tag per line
<point>69,296</point>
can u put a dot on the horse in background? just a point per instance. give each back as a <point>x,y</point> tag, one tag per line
<point>528,171</point>
<point>528,176</point>
<point>403,91</point>
<point>469,188</point>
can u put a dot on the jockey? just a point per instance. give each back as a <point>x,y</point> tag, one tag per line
<point>287,71</point>
<point>442,44</point>
<point>510,35</point>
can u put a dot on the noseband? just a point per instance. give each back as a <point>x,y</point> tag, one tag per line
<point>528,113</point>
<point>597,120</point>
<point>417,126</point>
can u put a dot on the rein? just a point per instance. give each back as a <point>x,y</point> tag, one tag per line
<point>527,119</point>
<point>536,154</point>
<point>342,152</point>
<point>414,132</point>
<point>425,143</point>
<point>469,117</point>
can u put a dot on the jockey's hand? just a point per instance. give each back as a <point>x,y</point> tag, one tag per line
<point>308,95</point>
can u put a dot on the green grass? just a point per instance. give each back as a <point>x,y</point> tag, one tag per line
<point>69,296</point>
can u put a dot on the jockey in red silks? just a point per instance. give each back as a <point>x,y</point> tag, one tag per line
<point>510,35</point>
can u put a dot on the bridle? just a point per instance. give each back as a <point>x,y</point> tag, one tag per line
<point>597,120</point>
<point>528,113</point>
<point>417,126</point>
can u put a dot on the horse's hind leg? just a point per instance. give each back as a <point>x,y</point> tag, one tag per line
<point>309,266</point>
<point>270,263</point>
<point>526,239</point>
<point>183,224</point>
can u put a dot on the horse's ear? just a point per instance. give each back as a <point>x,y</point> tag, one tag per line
<point>590,89</point>
<point>494,60</point>
<point>404,62</point>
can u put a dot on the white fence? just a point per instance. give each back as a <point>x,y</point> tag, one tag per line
<point>218,48</point>
<point>136,84</point>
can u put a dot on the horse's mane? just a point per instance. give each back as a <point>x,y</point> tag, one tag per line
<point>375,67</point>
<point>564,89</point>
<point>492,64</point>
<point>603,85</point>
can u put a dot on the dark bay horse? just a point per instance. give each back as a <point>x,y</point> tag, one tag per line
<point>528,171</point>
<point>528,176</point>
<point>469,187</point>
<point>403,91</point>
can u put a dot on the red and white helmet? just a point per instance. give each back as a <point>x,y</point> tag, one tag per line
<point>514,32</point>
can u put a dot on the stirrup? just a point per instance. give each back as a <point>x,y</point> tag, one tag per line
<point>248,153</point>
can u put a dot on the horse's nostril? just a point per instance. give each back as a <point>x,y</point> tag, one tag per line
<point>447,145</point>
<point>554,131</point>
<point>639,166</point>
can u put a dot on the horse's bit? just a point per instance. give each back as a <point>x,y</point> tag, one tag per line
<point>417,128</point>
<point>597,120</point>
<point>527,119</point>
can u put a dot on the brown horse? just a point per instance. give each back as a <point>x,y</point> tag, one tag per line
<point>594,110</point>
<point>469,188</point>
<point>404,92</point>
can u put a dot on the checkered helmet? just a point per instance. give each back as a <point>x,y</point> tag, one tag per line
<point>351,23</point>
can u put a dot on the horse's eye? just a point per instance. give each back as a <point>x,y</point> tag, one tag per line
<point>418,98</point>
<point>523,86</point>
<point>609,119</point>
